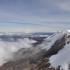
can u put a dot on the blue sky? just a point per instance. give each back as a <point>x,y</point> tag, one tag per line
<point>34,15</point>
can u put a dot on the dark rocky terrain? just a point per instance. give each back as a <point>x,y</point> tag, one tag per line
<point>35,60</point>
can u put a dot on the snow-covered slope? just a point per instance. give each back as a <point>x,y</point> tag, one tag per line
<point>62,58</point>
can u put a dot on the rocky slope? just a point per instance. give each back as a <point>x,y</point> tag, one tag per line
<point>35,60</point>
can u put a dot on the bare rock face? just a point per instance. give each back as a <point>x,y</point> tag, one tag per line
<point>42,64</point>
<point>56,47</point>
